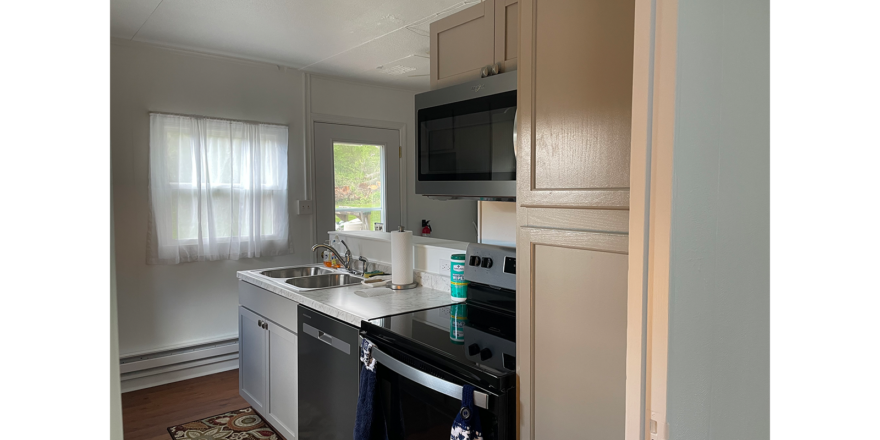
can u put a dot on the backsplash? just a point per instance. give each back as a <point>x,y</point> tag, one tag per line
<point>424,278</point>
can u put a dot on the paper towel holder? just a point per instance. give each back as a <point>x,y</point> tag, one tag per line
<point>412,285</point>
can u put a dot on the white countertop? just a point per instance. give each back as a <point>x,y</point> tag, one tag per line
<point>344,304</point>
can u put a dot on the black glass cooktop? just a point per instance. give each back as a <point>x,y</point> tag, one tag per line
<point>474,340</point>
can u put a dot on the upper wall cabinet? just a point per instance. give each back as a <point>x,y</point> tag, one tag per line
<point>506,33</point>
<point>575,102</point>
<point>465,42</point>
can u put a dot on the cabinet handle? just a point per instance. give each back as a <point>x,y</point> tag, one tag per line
<point>265,325</point>
<point>260,323</point>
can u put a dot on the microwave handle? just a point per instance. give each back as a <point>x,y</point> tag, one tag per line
<point>420,377</point>
<point>515,115</point>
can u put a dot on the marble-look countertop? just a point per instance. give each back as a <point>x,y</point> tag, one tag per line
<point>345,304</point>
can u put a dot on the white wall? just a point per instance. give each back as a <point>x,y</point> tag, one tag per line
<point>115,405</point>
<point>719,305</point>
<point>451,220</point>
<point>166,306</point>
<point>497,223</point>
<point>170,305</point>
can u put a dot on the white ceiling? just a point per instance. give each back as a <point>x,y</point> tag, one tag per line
<point>377,41</point>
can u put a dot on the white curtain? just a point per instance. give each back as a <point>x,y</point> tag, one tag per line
<point>218,190</point>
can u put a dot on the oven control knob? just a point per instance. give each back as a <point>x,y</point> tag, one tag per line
<point>485,354</point>
<point>473,349</point>
<point>487,262</point>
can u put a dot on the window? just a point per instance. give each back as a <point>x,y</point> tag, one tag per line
<point>218,189</point>
<point>357,175</point>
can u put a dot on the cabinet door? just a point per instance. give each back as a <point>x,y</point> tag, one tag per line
<point>575,102</point>
<point>506,33</point>
<point>282,380</point>
<point>253,355</point>
<point>579,371</point>
<point>462,44</point>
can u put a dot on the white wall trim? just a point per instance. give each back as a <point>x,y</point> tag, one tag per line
<point>183,345</point>
<point>190,372</point>
<point>154,368</point>
<point>139,365</point>
<point>653,127</point>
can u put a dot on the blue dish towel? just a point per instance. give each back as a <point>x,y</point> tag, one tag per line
<point>467,423</point>
<point>369,424</point>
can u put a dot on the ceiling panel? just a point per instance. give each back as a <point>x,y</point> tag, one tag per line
<point>349,38</point>
<point>291,32</point>
<point>400,58</point>
<point>127,16</point>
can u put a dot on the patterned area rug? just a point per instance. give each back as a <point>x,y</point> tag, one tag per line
<point>244,424</point>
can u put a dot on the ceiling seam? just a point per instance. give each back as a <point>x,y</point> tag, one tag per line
<point>419,21</point>
<point>145,21</point>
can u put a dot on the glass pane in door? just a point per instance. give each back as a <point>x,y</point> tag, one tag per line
<point>358,175</point>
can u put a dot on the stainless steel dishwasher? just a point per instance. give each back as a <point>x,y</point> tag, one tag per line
<point>328,376</point>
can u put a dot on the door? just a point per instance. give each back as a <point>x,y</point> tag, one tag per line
<point>282,380</point>
<point>357,178</point>
<point>253,354</point>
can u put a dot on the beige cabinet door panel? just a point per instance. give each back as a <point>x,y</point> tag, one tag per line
<point>572,321</point>
<point>462,44</point>
<point>580,343</point>
<point>575,102</point>
<point>506,33</point>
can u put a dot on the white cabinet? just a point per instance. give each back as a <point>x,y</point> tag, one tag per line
<point>267,376</point>
<point>253,349</point>
<point>283,408</point>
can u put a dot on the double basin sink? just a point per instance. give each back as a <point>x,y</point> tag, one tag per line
<point>311,277</point>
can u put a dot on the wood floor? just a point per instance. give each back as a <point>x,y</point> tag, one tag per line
<point>147,413</point>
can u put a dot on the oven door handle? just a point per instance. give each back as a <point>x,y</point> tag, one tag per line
<point>450,389</point>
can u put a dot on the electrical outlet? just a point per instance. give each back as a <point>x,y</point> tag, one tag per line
<point>445,266</point>
<point>304,207</point>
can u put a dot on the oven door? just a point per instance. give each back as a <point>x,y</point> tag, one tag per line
<point>466,139</point>
<point>427,404</point>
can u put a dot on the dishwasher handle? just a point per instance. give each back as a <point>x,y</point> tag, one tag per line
<point>326,338</point>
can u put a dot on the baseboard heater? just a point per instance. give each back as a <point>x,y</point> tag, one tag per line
<point>164,361</point>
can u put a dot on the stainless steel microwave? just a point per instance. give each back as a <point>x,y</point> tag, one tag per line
<point>465,140</point>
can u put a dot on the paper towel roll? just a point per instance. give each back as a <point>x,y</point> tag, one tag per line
<point>401,257</point>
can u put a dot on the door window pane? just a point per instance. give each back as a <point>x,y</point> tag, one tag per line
<point>358,175</point>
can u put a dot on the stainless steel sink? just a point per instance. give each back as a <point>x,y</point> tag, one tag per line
<point>293,272</point>
<point>324,281</point>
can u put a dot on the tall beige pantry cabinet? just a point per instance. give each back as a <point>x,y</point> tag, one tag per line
<point>575,67</point>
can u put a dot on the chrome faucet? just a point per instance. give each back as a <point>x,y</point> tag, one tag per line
<point>364,263</point>
<point>346,262</point>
